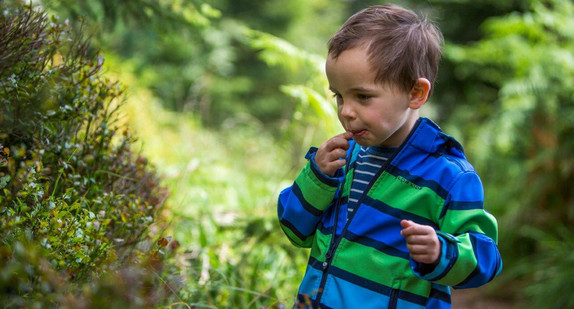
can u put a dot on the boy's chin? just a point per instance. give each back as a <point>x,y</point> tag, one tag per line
<point>362,141</point>
<point>367,143</point>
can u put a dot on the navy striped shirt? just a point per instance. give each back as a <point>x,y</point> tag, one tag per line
<point>369,161</point>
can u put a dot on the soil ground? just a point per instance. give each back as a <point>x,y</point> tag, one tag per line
<point>475,299</point>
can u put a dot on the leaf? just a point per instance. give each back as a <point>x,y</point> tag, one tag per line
<point>4,181</point>
<point>275,51</point>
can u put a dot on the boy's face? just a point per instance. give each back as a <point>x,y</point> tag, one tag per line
<point>376,113</point>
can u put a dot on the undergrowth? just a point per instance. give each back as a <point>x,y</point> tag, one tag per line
<point>80,212</point>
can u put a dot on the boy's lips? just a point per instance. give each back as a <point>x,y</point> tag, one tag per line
<point>358,132</point>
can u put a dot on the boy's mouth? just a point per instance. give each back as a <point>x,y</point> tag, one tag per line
<point>359,132</point>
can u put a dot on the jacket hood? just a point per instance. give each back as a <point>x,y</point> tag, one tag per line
<point>428,137</point>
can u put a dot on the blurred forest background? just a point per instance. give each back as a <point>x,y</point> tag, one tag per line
<point>143,144</point>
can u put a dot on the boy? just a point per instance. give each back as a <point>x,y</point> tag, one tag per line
<point>391,209</point>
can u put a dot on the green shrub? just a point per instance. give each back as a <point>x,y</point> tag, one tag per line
<point>522,143</point>
<point>79,211</point>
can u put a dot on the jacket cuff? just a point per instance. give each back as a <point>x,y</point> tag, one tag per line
<point>446,259</point>
<point>324,178</point>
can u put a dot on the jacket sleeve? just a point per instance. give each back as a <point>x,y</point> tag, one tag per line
<point>469,236</point>
<point>301,205</point>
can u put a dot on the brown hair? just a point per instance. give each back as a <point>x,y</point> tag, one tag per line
<point>401,46</point>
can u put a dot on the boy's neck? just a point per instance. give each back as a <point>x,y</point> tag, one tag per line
<point>398,138</point>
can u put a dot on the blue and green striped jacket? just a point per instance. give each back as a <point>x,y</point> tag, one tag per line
<point>367,265</point>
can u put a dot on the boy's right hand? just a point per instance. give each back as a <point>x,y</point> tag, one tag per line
<point>331,154</point>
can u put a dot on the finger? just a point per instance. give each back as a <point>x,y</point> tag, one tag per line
<point>330,168</point>
<point>335,165</point>
<point>336,154</point>
<point>419,240</point>
<point>347,135</point>
<point>418,249</point>
<point>339,141</point>
<point>423,258</point>
<point>416,229</point>
<point>405,223</point>
<point>413,230</point>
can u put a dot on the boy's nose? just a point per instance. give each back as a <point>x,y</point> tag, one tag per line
<point>347,111</point>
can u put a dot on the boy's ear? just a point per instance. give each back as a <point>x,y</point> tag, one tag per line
<point>419,93</point>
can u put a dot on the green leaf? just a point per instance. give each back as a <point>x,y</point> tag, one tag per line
<point>4,181</point>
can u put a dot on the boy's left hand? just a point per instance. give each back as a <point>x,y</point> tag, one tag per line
<point>422,242</point>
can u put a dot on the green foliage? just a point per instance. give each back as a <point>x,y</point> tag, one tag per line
<point>504,89</point>
<point>173,44</point>
<point>142,13</point>
<point>553,258</point>
<point>279,50</point>
<point>76,205</point>
<point>222,205</point>
<point>196,57</point>
<point>521,140</point>
<point>223,210</point>
<point>313,111</point>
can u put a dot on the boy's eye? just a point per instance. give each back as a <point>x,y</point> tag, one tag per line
<point>363,97</point>
<point>338,97</point>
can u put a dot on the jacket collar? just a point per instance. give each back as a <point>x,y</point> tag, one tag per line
<point>428,137</point>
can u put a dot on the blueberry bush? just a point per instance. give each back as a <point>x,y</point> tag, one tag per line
<point>80,211</point>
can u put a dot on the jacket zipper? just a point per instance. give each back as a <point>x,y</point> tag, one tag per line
<point>393,299</point>
<point>329,255</point>
<point>336,240</point>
